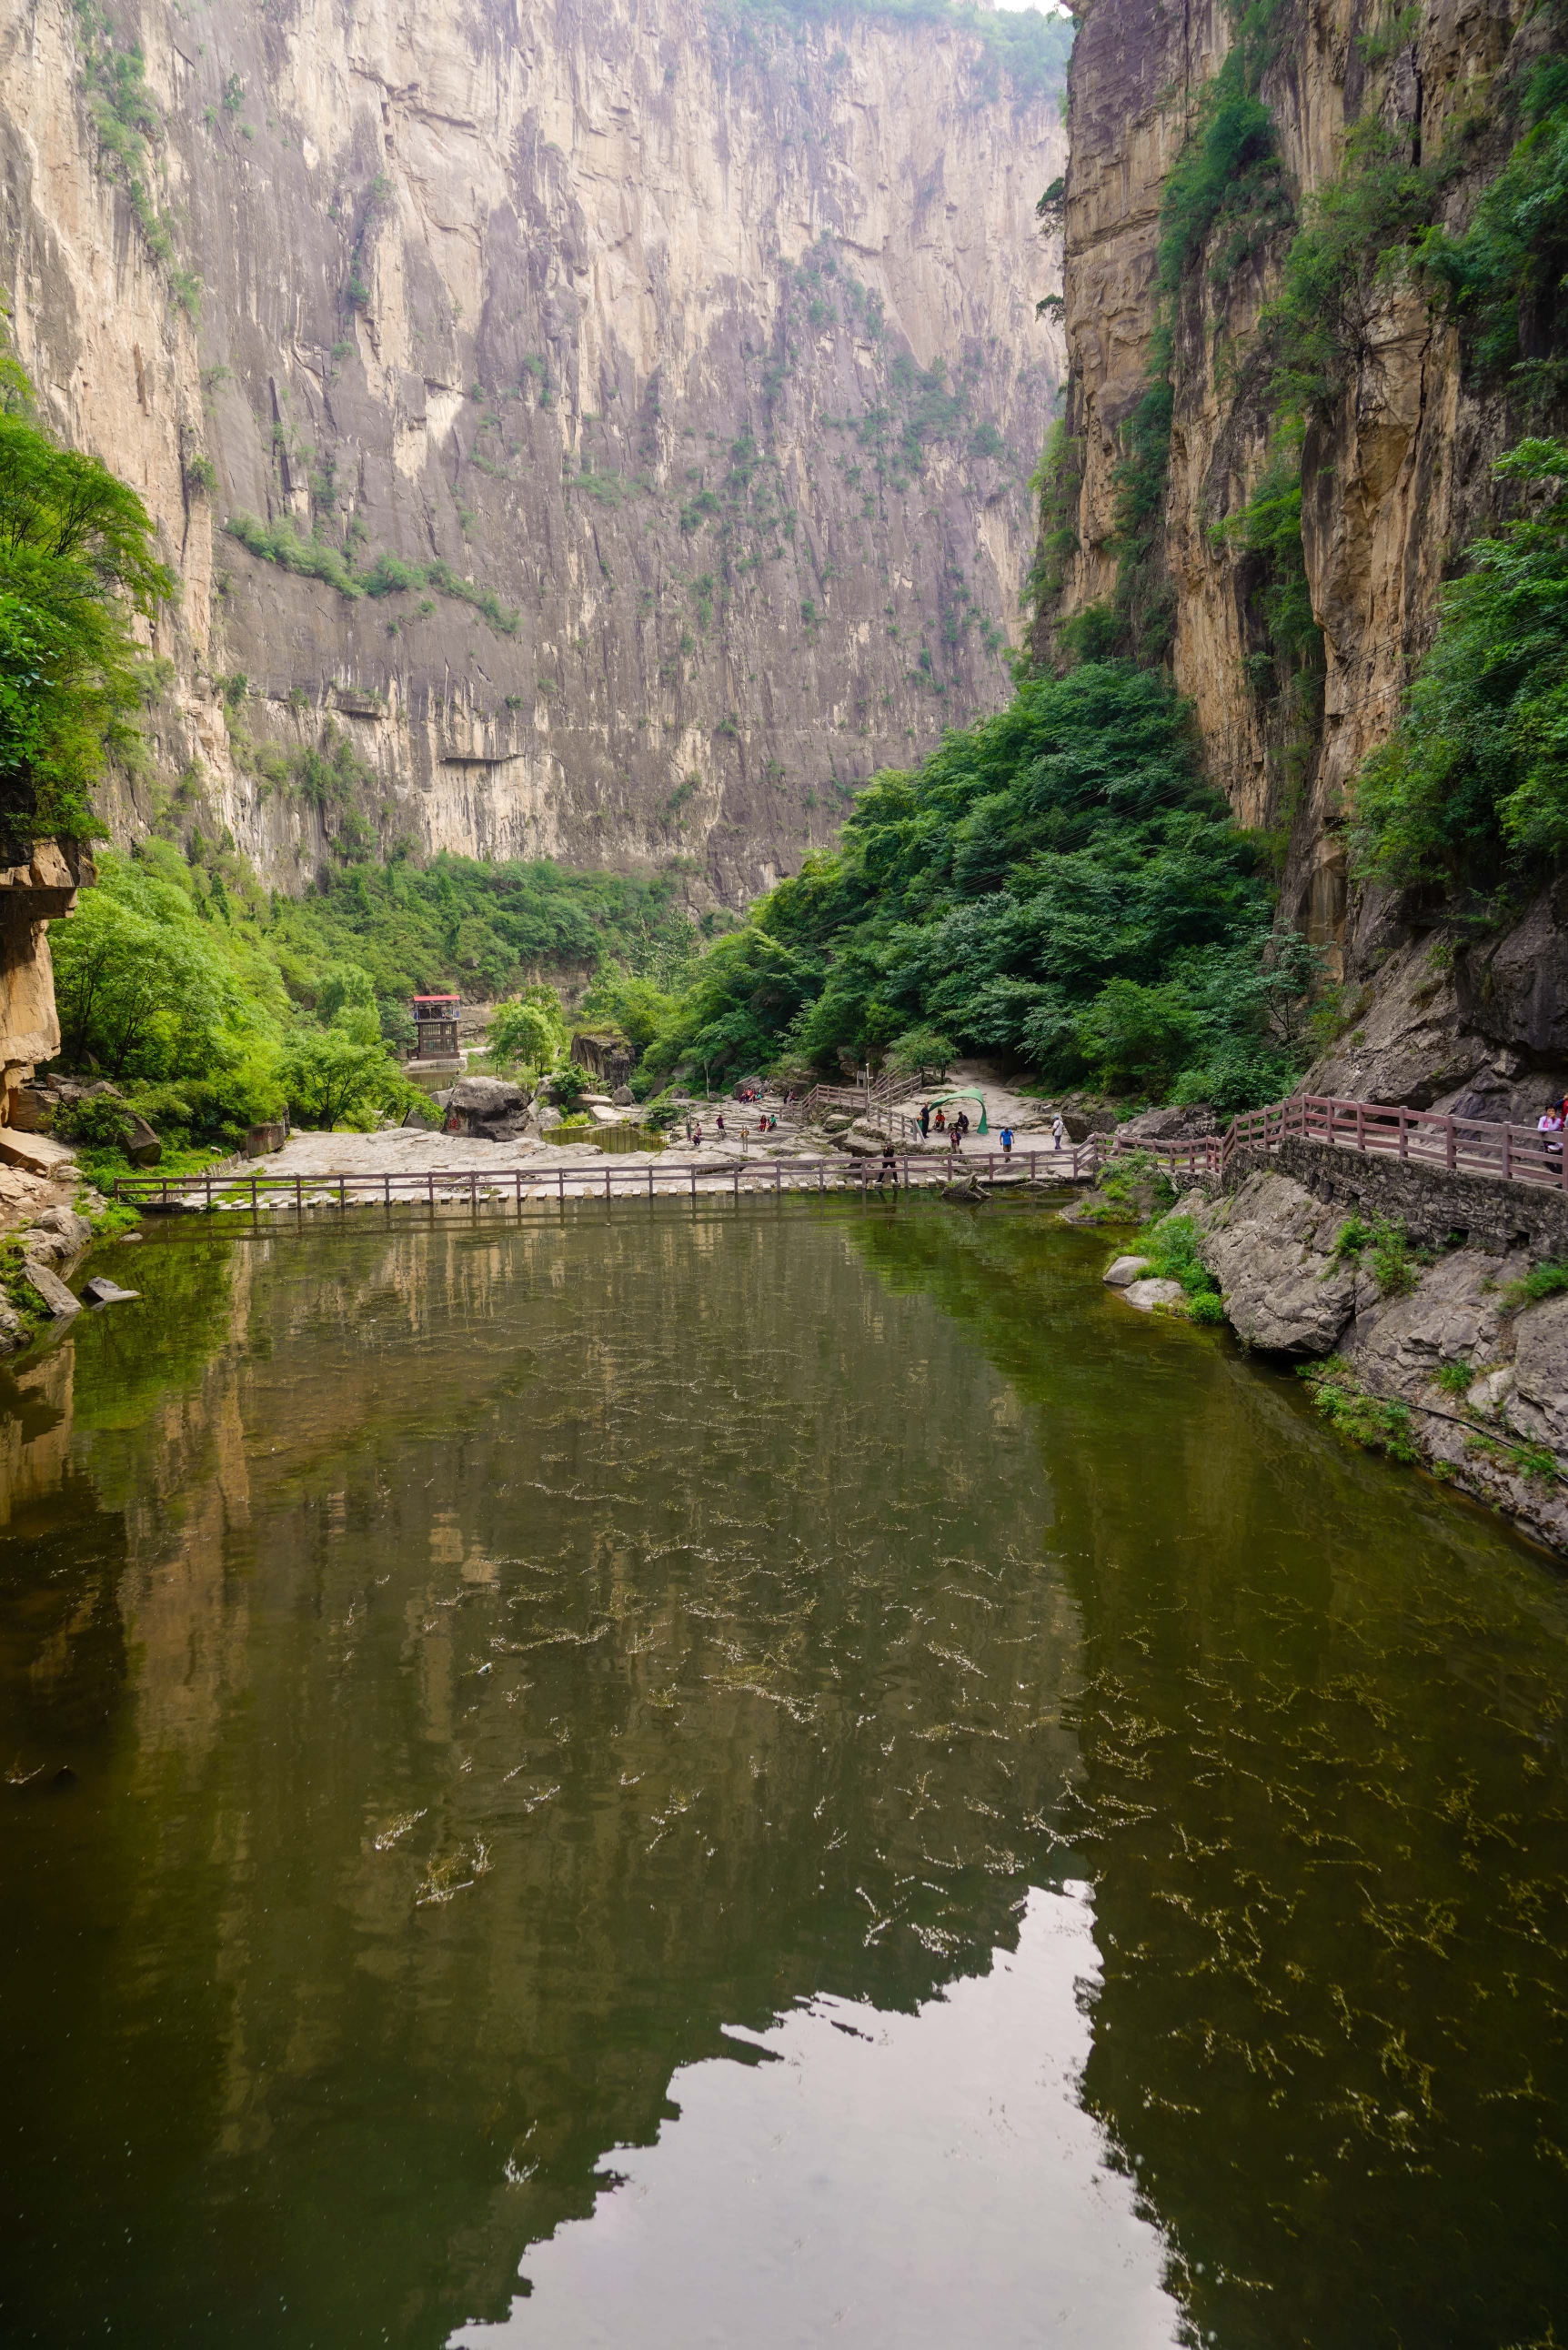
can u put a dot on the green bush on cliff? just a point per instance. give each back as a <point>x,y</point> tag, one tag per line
<point>1502,278</point>
<point>1474,783</point>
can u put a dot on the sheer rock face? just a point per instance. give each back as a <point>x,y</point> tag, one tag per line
<point>32,894</point>
<point>1397,479</point>
<point>629,320</point>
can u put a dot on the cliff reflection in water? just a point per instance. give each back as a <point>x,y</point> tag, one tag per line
<point>545,1648</point>
<point>499,1663</point>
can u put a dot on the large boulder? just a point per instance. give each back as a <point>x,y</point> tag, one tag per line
<point>142,1147</point>
<point>488,1097</point>
<point>1170,1124</point>
<point>1125,1272</point>
<point>491,1109</point>
<point>65,1223</point>
<point>1270,1245</point>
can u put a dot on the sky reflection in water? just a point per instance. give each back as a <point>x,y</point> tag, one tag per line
<point>877,2178</point>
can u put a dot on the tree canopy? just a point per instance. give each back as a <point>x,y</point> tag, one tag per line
<point>77,566</point>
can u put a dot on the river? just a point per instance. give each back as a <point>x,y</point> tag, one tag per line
<point>708,1775</point>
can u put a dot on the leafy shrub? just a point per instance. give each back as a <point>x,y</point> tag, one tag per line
<point>339,1075</point>
<point>1359,230</point>
<point>1171,1245</point>
<point>1361,1418</point>
<point>1541,1282</point>
<point>569,1084</point>
<point>1396,1265</point>
<point>99,1120</point>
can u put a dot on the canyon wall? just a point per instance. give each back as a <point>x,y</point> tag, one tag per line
<point>672,382</point>
<point>1395,484</point>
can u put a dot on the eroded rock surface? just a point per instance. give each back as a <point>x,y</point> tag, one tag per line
<point>1271,1248</point>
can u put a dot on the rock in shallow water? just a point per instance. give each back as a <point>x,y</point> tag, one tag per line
<point>1125,1272</point>
<point>1146,1294</point>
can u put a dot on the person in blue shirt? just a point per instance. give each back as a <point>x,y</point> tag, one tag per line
<point>1007,1142</point>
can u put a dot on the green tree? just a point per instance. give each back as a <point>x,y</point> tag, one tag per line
<point>525,1033</point>
<point>143,987</point>
<point>77,565</point>
<point>337,1073</point>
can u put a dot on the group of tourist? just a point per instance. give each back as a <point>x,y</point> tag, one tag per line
<point>1552,1119</point>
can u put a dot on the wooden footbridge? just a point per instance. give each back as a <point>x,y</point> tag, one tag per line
<point>1500,1152</point>
<point>656,1178</point>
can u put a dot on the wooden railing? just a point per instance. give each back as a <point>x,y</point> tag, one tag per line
<point>441,1186</point>
<point>1469,1145</point>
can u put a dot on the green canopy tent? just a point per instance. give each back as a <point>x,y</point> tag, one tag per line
<point>963,1093</point>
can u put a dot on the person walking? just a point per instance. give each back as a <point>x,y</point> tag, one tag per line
<point>1006,1138</point>
<point>719,1124</point>
<point>925,1119</point>
<point>1057,1131</point>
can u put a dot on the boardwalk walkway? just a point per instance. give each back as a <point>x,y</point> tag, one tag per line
<point>1506,1154</point>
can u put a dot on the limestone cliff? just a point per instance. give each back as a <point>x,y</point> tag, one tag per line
<point>675,382</point>
<point>1394,484</point>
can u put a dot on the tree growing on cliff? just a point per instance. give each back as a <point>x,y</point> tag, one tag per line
<point>1475,780</point>
<point>77,566</point>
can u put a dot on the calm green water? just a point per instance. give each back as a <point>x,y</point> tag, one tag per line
<point>727,1777</point>
<point>619,1139</point>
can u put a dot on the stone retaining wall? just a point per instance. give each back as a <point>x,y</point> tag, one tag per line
<point>1433,1205</point>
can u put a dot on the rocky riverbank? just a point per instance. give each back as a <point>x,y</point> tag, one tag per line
<point>1431,1316</point>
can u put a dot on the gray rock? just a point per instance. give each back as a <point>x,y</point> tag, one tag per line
<point>74,1229</point>
<point>485,1098</point>
<point>101,1291</point>
<point>1146,1294</point>
<point>1170,1125</point>
<point>1539,1405</point>
<point>623,1098</point>
<point>1125,1272</point>
<point>1398,1344</point>
<point>142,1147</point>
<point>1269,1246</point>
<point>51,1289</point>
<point>13,1330</point>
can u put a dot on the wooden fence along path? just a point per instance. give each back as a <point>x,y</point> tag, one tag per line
<point>1508,1154</point>
<point>1468,1146</point>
